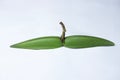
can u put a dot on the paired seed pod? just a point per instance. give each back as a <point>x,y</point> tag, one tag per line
<point>74,41</point>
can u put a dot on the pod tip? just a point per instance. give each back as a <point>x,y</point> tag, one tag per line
<point>12,46</point>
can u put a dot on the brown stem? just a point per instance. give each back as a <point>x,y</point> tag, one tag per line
<point>63,33</point>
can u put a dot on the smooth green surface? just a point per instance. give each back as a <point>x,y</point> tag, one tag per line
<point>75,41</point>
<point>82,41</point>
<point>40,43</point>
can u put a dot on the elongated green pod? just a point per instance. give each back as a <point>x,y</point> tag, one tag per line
<point>82,41</point>
<point>49,42</point>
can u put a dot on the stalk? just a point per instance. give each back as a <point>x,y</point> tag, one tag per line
<point>63,32</point>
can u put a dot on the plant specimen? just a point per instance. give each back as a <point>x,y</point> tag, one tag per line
<point>73,41</point>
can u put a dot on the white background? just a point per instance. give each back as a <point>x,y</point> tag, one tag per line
<point>26,19</point>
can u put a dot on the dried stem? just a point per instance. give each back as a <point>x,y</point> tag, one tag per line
<point>63,33</point>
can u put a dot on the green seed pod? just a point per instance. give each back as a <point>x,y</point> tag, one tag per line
<point>49,42</point>
<point>81,41</point>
